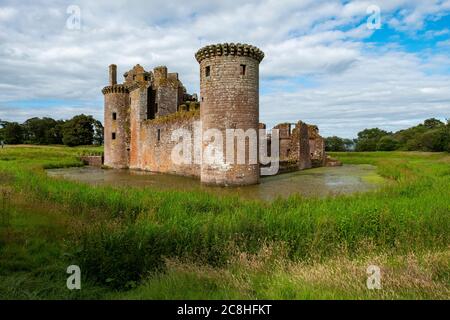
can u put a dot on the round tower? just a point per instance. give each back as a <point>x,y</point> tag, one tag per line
<point>229,99</point>
<point>116,122</point>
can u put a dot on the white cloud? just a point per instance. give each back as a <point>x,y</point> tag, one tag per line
<point>7,13</point>
<point>317,66</point>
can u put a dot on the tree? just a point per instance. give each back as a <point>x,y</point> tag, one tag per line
<point>387,143</point>
<point>433,123</point>
<point>42,131</point>
<point>334,143</point>
<point>12,132</point>
<point>55,135</point>
<point>98,132</point>
<point>82,130</point>
<point>447,137</point>
<point>368,139</point>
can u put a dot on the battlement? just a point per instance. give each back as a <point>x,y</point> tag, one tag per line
<point>232,49</point>
<point>115,88</point>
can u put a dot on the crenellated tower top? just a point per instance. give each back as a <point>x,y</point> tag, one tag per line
<point>229,49</point>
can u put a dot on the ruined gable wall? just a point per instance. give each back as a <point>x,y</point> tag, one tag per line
<point>317,147</point>
<point>300,145</point>
<point>285,140</point>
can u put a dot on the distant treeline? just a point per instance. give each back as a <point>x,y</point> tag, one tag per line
<point>431,135</point>
<point>80,130</point>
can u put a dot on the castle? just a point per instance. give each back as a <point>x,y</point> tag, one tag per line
<point>143,112</point>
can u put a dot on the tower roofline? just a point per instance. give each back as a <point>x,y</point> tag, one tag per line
<point>116,88</point>
<point>229,49</point>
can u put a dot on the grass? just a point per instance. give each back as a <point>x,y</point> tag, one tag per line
<point>150,244</point>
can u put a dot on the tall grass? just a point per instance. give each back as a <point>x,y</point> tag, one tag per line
<point>128,233</point>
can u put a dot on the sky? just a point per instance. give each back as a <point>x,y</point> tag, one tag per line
<point>342,65</point>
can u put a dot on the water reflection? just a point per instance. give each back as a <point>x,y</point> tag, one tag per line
<point>314,182</point>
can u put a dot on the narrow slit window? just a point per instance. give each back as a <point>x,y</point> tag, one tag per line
<point>156,108</point>
<point>242,69</point>
<point>159,134</point>
<point>113,136</point>
<point>207,71</point>
<point>114,116</point>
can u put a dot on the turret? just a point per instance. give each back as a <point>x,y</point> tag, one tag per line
<point>116,122</point>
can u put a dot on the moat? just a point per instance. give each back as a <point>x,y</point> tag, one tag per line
<point>314,182</point>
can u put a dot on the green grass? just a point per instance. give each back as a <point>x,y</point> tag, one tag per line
<point>146,243</point>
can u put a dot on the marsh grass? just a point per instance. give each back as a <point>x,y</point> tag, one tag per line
<point>270,274</point>
<point>138,239</point>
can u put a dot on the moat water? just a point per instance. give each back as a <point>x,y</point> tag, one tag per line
<point>313,182</point>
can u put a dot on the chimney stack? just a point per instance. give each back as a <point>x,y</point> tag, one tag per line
<point>112,74</point>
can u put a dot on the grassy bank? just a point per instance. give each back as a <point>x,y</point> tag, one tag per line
<point>145,243</point>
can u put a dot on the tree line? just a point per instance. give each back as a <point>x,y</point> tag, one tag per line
<point>80,130</point>
<point>431,135</point>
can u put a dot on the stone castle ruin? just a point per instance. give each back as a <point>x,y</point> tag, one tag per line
<point>143,112</point>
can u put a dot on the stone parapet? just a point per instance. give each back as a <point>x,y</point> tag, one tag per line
<point>116,88</point>
<point>229,49</point>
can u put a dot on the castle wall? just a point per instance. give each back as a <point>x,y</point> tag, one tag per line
<point>94,161</point>
<point>138,111</point>
<point>229,100</point>
<point>156,147</point>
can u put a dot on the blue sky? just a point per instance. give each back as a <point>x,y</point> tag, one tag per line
<point>322,63</point>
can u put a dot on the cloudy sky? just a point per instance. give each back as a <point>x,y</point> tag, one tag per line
<point>326,62</point>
